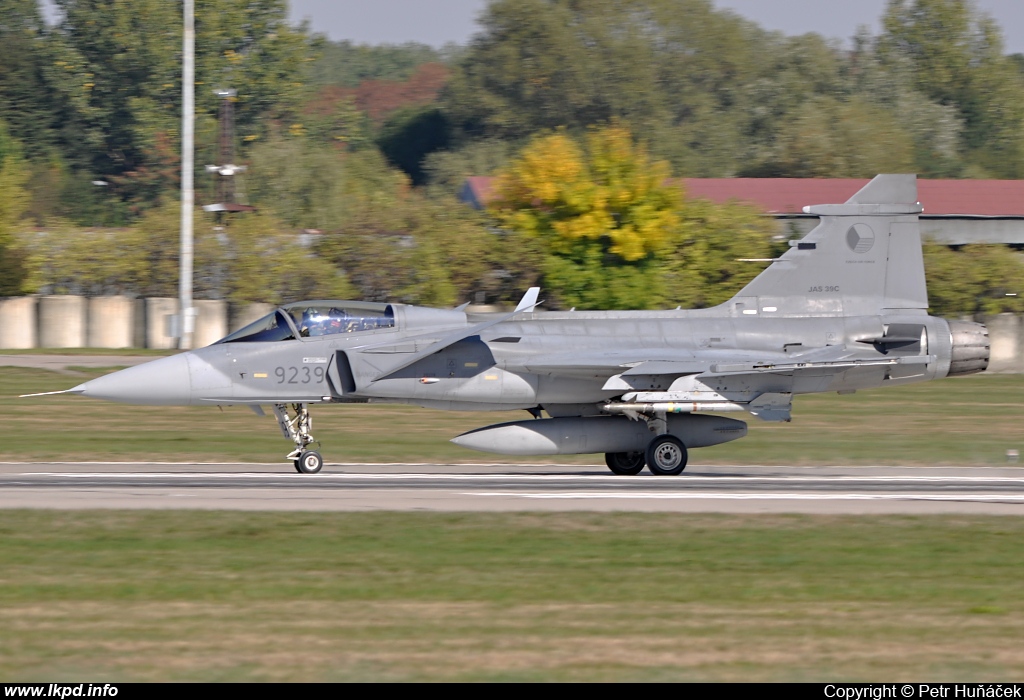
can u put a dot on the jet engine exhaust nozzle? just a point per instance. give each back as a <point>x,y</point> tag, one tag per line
<point>971,348</point>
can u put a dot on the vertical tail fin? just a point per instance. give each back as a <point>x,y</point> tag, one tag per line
<point>862,258</point>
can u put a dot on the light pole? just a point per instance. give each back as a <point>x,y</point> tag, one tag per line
<point>186,314</point>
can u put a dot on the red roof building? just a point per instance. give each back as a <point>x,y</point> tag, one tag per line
<point>790,195</point>
<point>955,211</point>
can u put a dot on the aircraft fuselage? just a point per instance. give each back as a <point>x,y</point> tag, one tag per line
<point>557,358</point>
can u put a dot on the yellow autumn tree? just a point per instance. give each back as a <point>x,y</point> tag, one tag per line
<point>603,213</point>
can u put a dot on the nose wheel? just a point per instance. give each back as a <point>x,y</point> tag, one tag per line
<point>309,462</point>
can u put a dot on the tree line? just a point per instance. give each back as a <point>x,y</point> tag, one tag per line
<point>582,110</point>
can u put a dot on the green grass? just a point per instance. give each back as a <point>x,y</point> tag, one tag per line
<point>166,595</point>
<point>964,421</point>
<point>172,595</point>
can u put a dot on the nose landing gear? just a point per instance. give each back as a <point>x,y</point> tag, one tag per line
<point>309,462</point>
<point>296,428</point>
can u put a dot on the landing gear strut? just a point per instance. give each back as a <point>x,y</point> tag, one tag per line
<point>296,428</point>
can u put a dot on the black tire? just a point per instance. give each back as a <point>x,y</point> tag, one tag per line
<point>625,463</point>
<point>309,462</point>
<point>666,456</point>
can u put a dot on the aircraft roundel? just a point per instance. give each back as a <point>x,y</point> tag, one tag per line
<point>860,238</point>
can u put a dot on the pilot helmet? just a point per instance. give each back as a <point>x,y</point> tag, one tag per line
<point>334,319</point>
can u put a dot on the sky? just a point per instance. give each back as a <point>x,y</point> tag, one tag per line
<point>436,22</point>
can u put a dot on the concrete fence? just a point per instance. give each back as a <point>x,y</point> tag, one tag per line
<point>68,321</point>
<point>18,323</point>
<point>1006,333</point>
<point>109,322</point>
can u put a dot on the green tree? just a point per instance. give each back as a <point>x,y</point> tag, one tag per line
<point>346,64</point>
<point>116,64</point>
<point>717,96</point>
<point>309,186</point>
<point>141,260</point>
<point>267,261</point>
<point>332,119</point>
<point>944,40</point>
<point>156,236</point>
<point>397,244</point>
<point>13,176</point>
<point>14,202</point>
<point>708,90</point>
<point>542,64</point>
<point>447,170</point>
<point>955,54</point>
<point>973,280</point>
<point>68,259</point>
<point>708,264</point>
<point>247,257</point>
<point>27,104</point>
<point>250,257</point>
<point>390,241</point>
<point>827,137</point>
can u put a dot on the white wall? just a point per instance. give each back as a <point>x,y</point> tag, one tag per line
<point>62,321</point>
<point>111,322</point>
<point>18,323</point>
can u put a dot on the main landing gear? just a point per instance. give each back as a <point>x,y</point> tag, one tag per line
<point>625,463</point>
<point>665,455</point>
<point>296,428</point>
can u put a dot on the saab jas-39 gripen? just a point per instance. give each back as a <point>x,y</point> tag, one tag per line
<point>844,308</point>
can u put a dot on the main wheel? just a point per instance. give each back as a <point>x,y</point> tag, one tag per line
<point>309,462</point>
<point>625,463</point>
<point>666,456</point>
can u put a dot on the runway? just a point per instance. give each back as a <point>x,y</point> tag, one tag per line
<point>511,487</point>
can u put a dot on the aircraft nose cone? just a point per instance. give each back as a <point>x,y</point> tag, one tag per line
<point>165,382</point>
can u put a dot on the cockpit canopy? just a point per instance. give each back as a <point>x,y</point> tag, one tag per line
<point>327,318</point>
<point>310,319</point>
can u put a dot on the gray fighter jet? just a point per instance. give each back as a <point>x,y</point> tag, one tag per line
<point>845,308</point>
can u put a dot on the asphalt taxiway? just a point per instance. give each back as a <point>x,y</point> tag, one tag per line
<point>512,487</point>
